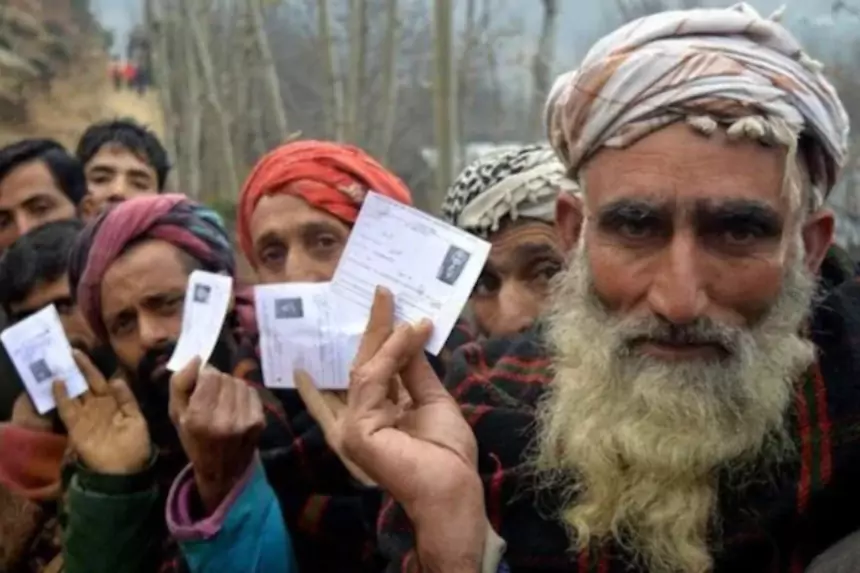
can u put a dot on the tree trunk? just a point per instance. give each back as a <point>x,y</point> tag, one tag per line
<point>358,9</point>
<point>333,96</point>
<point>192,111</point>
<point>463,70</point>
<point>158,29</point>
<point>231,177</point>
<point>542,66</point>
<point>444,98</point>
<point>270,72</point>
<point>390,87</point>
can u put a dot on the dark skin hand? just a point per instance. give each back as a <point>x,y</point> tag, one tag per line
<point>219,420</point>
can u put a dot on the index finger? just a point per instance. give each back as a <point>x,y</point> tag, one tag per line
<point>67,407</point>
<point>379,327</point>
<point>181,385</point>
<point>95,379</point>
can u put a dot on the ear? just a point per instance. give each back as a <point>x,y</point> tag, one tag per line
<point>88,208</point>
<point>568,220</point>
<point>818,232</point>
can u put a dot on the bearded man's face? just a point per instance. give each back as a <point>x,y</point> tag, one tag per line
<point>677,332</point>
<point>143,292</point>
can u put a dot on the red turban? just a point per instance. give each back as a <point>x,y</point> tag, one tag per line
<point>333,177</point>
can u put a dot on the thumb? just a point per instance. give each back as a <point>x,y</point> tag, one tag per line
<point>181,386</point>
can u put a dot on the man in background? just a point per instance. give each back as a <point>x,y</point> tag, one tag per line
<point>40,182</point>
<point>121,159</point>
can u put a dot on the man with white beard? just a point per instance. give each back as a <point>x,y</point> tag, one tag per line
<point>690,403</point>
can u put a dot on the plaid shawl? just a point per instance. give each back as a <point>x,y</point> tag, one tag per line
<point>775,525</point>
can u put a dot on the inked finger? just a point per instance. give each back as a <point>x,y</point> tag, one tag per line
<point>67,407</point>
<point>316,405</point>
<point>182,385</point>
<point>95,379</point>
<point>369,383</point>
<point>379,327</point>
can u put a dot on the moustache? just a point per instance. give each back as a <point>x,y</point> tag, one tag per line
<point>153,366</point>
<point>702,331</point>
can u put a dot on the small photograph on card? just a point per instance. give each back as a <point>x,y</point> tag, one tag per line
<point>41,371</point>
<point>202,293</point>
<point>452,265</point>
<point>286,308</point>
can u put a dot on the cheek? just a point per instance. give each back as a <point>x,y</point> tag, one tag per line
<point>128,354</point>
<point>747,288</point>
<point>484,310</point>
<point>619,280</point>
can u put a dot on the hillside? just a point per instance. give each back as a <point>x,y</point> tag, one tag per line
<point>80,96</point>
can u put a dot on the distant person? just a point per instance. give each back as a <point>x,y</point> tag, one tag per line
<point>129,71</point>
<point>121,159</point>
<point>115,73</point>
<point>40,182</point>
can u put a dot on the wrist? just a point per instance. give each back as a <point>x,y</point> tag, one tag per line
<point>450,537</point>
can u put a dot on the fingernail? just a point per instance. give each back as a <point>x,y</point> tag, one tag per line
<point>425,323</point>
<point>382,291</point>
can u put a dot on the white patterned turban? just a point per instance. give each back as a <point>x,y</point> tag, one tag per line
<point>519,183</point>
<point>722,63</point>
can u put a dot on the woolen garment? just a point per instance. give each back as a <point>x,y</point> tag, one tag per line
<point>319,503</point>
<point>333,177</point>
<point>724,63</point>
<point>772,525</point>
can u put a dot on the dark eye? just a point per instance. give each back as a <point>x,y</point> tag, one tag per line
<point>41,207</point>
<point>326,241</point>
<point>64,308</point>
<point>636,229</point>
<point>272,254</point>
<point>740,237</point>
<point>122,325</point>
<point>171,305</point>
<point>545,270</point>
<point>487,285</point>
<point>5,221</point>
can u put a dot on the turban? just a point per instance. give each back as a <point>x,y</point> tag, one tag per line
<point>723,63</point>
<point>333,177</point>
<point>523,182</point>
<point>173,218</point>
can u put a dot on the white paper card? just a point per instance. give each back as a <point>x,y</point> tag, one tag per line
<point>430,267</point>
<point>303,326</point>
<point>206,302</point>
<point>41,354</point>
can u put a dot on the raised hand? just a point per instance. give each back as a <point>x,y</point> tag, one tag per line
<point>422,451</point>
<point>106,428</point>
<point>219,420</point>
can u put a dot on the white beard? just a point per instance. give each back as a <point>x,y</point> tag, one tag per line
<point>635,442</point>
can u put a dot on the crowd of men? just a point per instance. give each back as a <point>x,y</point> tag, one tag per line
<point>658,369</point>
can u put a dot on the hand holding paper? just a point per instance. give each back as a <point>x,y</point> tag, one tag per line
<point>206,302</point>
<point>430,267</point>
<point>41,354</point>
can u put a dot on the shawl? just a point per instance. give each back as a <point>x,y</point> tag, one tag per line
<point>776,525</point>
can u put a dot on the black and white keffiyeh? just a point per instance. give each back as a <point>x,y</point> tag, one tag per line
<point>519,183</point>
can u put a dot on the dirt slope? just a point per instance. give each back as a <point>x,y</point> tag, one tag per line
<point>82,96</point>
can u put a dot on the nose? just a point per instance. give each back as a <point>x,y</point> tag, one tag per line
<point>155,331</point>
<point>300,267</point>
<point>677,292</point>
<point>118,187</point>
<point>25,223</point>
<point>518,308</point>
